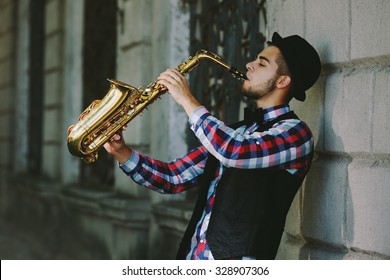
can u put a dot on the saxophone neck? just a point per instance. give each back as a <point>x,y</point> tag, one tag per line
<point>192,62</point>
<point>203,54</point>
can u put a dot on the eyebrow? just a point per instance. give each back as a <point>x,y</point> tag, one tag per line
<point>263,58</point>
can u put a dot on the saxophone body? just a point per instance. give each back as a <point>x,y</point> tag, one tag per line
<point>101,120</point>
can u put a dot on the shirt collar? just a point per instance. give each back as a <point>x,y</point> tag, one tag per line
<point>276,111</point>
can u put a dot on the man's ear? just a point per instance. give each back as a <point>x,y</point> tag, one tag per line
<point>283,81</point>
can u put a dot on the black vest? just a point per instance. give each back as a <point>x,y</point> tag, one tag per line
<point>249,211</point>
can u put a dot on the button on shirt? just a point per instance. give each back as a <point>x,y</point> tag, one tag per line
<point>287,145</point>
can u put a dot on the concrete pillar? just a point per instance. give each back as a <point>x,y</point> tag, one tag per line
<point>72,87</point>
<point>21,91</point>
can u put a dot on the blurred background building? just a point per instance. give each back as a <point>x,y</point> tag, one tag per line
<point>55,57</point>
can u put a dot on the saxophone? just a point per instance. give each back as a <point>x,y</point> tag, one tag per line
<point>102,119</point>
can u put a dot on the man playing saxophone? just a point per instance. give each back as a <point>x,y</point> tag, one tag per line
<point>248,173</point>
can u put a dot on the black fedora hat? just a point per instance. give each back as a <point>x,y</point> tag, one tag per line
<point>302,60</point>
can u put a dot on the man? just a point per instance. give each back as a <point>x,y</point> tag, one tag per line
<point>248,173</point>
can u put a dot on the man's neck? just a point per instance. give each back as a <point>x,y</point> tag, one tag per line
<point>266,105</point>
<point>274,98</point>
<point>271,100</point>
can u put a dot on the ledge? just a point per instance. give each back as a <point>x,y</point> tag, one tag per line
<point>84,199</point>
<point>108,204</point>
<point>173,217</point>
<point>126,209</point>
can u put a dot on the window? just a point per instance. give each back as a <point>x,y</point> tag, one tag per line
<point>235,31</point>
<point>99,63</point>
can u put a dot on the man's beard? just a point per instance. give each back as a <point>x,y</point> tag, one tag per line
<point>260,92</point>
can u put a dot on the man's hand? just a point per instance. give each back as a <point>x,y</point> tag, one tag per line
<point>179,89</point>
<point>117,148</point>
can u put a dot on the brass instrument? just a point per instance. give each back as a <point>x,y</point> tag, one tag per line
<point>101,120</point>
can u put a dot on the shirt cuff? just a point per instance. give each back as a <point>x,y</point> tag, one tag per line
<point>197,116</point>
<point>131,163</point>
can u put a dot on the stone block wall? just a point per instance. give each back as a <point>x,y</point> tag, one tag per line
<point>341,211</point>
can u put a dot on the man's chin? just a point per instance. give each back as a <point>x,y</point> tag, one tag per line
<point>248,93</point>
<point>245,90</point>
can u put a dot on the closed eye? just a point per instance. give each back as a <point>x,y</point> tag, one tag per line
<point>263,60</point>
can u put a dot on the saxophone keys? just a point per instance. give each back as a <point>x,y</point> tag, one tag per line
<point>90,158</point>
<point>145,94</point>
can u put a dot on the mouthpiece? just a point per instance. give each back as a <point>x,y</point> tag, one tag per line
<point>237,73</point>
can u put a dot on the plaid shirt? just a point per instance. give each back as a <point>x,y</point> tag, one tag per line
<point>287,145</point>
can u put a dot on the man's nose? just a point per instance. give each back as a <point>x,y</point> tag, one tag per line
<point>249,66</point>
